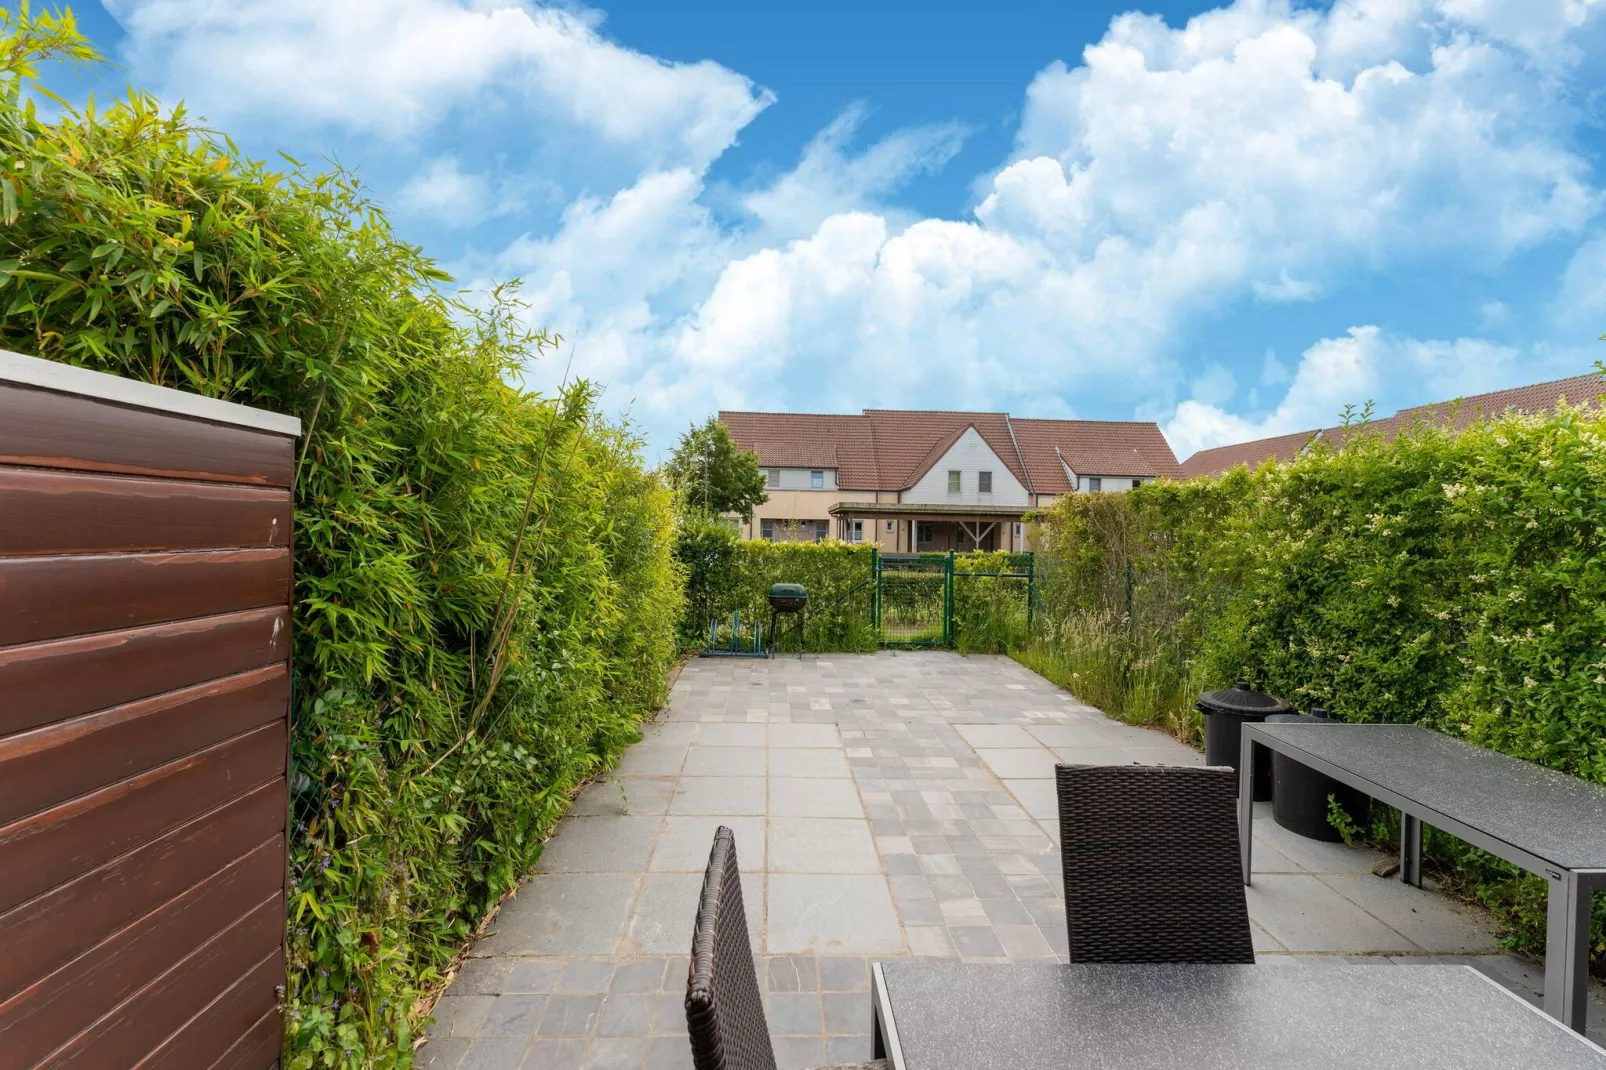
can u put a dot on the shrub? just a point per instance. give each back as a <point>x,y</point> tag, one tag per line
<point>485,594</point>
<point>1452,579</point>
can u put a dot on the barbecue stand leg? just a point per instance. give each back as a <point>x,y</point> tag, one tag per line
<point>1410,849</point>
<point>1567,949</point>
<point>1246,802</point>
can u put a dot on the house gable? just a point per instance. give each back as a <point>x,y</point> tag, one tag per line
<point>969,455</point>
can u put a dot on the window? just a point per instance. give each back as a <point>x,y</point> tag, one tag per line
<point>1017,534</point>
<point>923,532</point>
<point>816,480</point>
<point>822,530</point>
<point>889,526</point>
<point>1095,484</point>
<point>1136,483</point>
<point>766,530</point>
<point>953,482</point>
<point>856,531</point>
<point>984,482</point>
<point>772,478</point>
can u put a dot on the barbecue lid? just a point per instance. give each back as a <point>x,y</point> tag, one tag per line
<point>1241,699</point>
<point>788,590</point>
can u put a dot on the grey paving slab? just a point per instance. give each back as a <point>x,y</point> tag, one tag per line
<point>831,914</point>
<point>900,804</point>
<point>821,845</point>
<point>814,797</point>
<point>728,795</point>
<point>625,796</point>
<point>684,843</point>
<point>610,844</point>
<point>562,913</point>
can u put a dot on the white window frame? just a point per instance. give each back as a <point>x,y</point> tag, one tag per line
<point>772,479</point>
<point>816,480</point>
<point>855,531</point>
<point>766,529</point>
<point>822,530</point>
<point>891,526</point>
<point>956,481</point>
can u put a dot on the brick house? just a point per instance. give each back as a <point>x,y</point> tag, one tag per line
<point>914,480</point>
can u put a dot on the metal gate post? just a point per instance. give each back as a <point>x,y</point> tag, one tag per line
<point>948,601</point>
<point>1031,586</point>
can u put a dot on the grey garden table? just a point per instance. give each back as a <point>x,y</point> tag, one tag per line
<point>938,1014</point>
<point>1544,821</point>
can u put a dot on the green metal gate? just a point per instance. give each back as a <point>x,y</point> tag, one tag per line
<point>916,595</point>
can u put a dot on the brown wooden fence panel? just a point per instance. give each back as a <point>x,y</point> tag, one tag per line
<point>145,591</point>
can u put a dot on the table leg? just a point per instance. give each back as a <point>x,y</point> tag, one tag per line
<point>1567,950</point>
<point>1246,803</point>
<point>1410,849</point>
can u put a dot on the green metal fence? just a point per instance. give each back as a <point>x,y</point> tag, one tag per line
<point>923,600</point>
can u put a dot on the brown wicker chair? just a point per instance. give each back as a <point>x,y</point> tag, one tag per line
<point>724,1010</point>
<point>1150,856</point>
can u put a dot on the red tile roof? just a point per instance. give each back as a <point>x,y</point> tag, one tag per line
<point>1213,462</point>
<point>891,449</point>
<point>1534,398</point>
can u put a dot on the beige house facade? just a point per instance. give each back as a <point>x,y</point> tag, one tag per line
<point>919,481</point>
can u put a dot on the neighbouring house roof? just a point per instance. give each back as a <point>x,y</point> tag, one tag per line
<point>891,449</point>
<point>797,455</point>
<point>1461,413</point>
<point>1213,462</point>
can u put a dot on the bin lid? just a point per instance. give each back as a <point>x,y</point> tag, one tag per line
<point>788,590</point>
<point>1242,700</point>
<point>1317,715</point>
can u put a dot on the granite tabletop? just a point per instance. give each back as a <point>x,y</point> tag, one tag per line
<point>962,1016</point>
<point>1553,816</point>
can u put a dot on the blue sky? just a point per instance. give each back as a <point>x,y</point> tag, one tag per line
<point>1232,219</point>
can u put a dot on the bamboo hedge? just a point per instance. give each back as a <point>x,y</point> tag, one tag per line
<point>486,594</point>
<point>1456,580</point>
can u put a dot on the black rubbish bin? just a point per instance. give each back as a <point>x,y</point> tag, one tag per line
<point>1300,802</point>
<point>1225,712</point>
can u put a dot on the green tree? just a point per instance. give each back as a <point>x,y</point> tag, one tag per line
<point>713,475</point>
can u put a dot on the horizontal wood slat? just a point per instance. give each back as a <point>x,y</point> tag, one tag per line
<point>44,850</point>
<point>205,1038</point>
<point>149,1017</point>
<point>258,1049</point>
<point>53,597</point>
<point>50,512</point>
<point>35,1021</point>
<point>41,683</point>
<point>41,427</point>
<point>49,765</point>
<point>43,933</point>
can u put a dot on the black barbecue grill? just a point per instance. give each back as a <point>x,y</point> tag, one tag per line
<point>788,598</point>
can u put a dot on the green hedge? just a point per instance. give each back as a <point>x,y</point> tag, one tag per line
<point>486,593</point>
<point>727,575</point>
<point>1452,580</point>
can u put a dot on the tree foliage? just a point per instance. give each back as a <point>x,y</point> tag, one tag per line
<point>711,474</point>
<point>486,595</point>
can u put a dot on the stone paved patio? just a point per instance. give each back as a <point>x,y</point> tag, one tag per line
<point>888,804</point>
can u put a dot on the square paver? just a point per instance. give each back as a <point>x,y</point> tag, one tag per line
<point>725,761</point>
<point>685,843</point>
<point>725,795</point>
<point>562,914</point>
<point>831,915</point>
<point>731,735</point>
<point>664,914</point>
<point>1036,797</point>
<point>625,797</point>
<point>600,845</point>
<point>995,735</point>
<point>1303,914</point>
<point>804,735</point>
<point>1019,763</point>
<point>808,761</point>
<point>797,797</point>
<point>648,759</point>
<point>821,845</point>
<point>1434,922</point>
